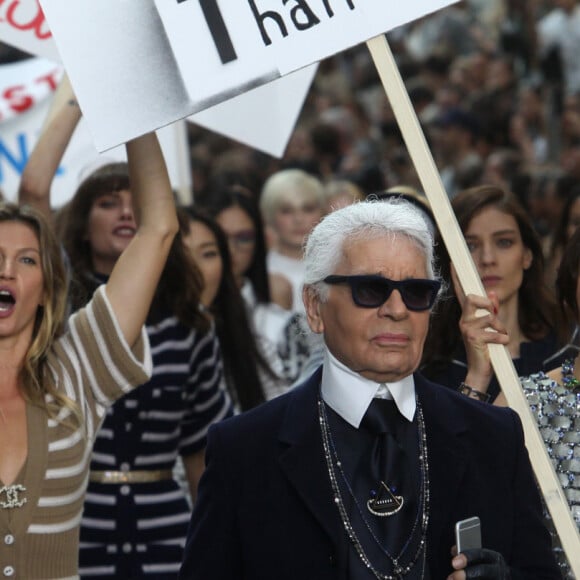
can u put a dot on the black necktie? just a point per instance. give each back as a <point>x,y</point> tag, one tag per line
<point>391,489</point>
<point>384,448</point>
<point>385,422</point>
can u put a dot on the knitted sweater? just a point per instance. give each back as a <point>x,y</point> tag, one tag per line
<point>92,364</point>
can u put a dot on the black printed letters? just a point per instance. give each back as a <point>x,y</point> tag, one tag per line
<point>301,14</point>
<point>218,29</point>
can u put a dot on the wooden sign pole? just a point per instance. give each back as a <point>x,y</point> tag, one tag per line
<point>184,189</point>
<point>471,284</point>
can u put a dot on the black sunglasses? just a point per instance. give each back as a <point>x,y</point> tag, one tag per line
<point>371,291</point>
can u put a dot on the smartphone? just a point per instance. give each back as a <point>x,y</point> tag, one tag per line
<point>468,534</point>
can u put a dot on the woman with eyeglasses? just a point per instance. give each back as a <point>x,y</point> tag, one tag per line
<point>508,257</point>
<point>239,217</point>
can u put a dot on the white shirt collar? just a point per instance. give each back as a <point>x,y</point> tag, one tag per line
<point>350,394</point>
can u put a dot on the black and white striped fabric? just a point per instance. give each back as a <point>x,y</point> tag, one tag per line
<point>138,530</point>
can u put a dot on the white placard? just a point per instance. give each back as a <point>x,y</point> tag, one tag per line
<point>278,104</point>
<point>250,41</point>
<point>166,59</point>
<point>120,65</point>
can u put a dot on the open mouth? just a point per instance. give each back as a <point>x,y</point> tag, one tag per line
<point>7,300</point>
<point>126,232</point>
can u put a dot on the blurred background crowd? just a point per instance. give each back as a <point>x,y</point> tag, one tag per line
<point>496,87</point>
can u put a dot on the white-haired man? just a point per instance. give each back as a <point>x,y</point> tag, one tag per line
<point>362,471</point>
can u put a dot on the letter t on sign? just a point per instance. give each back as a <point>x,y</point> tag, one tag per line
<point>217,27</point>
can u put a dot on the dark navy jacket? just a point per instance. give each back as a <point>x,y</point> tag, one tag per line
<point>265,511</point>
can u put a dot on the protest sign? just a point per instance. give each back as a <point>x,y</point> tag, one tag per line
<point>22,24</point>
<point>24,84</point>
<point>183,48</point>
<point>249,42</point>
<point>26,91</point>
<point>120,65</point>
<point>278,104</point>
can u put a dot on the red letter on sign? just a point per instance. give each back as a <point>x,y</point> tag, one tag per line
<point>49,78</point>
<point>18,102</point>
<point>36,24</point>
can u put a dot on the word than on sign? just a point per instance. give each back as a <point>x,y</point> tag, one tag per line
<point>302,15</point>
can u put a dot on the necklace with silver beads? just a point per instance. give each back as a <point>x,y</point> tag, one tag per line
<point>334,463</point>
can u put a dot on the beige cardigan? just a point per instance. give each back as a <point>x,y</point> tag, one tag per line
<point>94,366</point>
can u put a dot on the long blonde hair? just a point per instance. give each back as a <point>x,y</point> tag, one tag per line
<point>35,380</point>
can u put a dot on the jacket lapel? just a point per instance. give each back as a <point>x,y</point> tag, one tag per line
<point>447,459</point>
<point>304,464</point>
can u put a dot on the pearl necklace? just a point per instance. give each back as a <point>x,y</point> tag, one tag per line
<point>399,571</point>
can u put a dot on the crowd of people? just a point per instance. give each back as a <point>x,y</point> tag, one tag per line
<point>266,320</point>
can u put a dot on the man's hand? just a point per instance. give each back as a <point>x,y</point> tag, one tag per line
<point>479,564</point>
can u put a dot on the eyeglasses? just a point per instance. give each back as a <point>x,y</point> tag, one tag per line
<point>242,240</point>
<point>371,291</point>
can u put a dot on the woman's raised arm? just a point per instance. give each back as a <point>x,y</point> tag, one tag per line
<point>134,278</point>
<point>41,167</point>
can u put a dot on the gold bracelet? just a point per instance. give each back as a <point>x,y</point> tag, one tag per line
<point>473,393</point>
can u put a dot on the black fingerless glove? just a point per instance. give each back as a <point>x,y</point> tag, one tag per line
<point>485,565</point>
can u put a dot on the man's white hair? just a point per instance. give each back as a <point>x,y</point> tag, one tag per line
<point>365,220</point>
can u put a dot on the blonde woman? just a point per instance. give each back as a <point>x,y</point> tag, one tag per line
<point>57,383</point>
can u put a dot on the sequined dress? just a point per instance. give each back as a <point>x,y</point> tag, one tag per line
<point>557,409</point>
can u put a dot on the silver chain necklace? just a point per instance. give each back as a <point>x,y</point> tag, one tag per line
<point>420,507</point>
<point>399,570</point>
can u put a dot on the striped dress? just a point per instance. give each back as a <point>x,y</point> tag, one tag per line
<point>92,364</point>
<point>138,530</point>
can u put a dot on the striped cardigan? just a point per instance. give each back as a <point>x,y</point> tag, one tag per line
<point>93,366</point>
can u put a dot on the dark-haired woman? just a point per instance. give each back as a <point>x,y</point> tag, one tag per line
<point>554,396</point>
<point>249,377</point>
<point>508,257</point>
<point>136,513</point>
<point>239,217</point>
